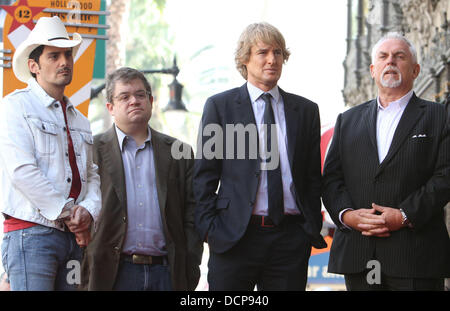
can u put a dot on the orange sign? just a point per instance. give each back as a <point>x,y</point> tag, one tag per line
<point>19,22</point>
<point>316,251</point>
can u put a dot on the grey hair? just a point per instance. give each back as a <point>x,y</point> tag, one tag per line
<point>398,36</point>
<point>125,75</point>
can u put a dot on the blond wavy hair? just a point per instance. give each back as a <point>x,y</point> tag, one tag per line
<point>257,32</point>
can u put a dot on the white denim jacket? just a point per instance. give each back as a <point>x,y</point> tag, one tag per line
<point>35,170</point>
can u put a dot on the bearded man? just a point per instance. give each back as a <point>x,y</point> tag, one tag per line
<point>387,179</point>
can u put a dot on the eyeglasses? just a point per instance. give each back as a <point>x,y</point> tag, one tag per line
<point>125,98</point>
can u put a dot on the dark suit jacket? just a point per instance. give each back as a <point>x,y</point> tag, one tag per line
<point>174,188</point>
<point>223,217</point>
<point>414,176</point>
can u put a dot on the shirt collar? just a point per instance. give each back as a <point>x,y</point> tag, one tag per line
<point>42,95</point>
<point>122,137</point>
<point>256,92</point>
<point>399,103</point>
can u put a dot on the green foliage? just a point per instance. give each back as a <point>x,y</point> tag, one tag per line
<point>148,45</point>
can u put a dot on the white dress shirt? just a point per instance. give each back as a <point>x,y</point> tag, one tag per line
<point>387,122</point>
<point>258,104</point>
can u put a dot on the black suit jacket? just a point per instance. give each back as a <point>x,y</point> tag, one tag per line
<point>223,217</point>
<point>174,188</point>
<point>414,176</point>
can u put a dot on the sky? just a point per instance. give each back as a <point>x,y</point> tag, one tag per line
<point>315,33</point>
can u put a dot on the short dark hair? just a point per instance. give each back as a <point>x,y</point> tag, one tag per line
<point>125,75</point>
<point>35,54</point>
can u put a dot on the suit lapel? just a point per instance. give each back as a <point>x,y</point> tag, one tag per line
<point>370,119</point>
<point>245,115</point>
<point>413,112</point>
<point>244,111</point>
<point>113,163</point>
<point>162,158</point>
<point>291,112</point>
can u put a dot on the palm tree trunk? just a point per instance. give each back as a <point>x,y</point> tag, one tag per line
<point>115,46</point>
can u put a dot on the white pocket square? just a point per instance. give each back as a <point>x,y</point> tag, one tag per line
<point>419,136</point>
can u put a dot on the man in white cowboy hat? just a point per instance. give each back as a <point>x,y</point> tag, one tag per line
<point>50,187</point>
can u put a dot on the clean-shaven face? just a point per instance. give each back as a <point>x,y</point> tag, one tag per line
<point>132,105</point>
<point>264,65</point>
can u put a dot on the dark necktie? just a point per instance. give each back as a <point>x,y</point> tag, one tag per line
<point>274,183</point>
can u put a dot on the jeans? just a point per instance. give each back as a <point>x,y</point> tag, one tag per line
<point>137,277</point>
<point>41,258</point>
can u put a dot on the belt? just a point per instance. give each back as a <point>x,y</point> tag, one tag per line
<point>265,221</point>
<point>144,259</point>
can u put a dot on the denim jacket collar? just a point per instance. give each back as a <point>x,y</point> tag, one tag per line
<point>45,99</point>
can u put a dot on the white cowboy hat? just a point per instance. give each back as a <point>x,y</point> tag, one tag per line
<point>48,31</point>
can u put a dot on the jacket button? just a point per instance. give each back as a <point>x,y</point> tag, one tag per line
<point>69,180</point>
<point>56,105</point>
<point>124,219</point>
<point>116,248</point>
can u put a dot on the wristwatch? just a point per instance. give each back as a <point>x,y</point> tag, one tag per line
<point>405,220</point>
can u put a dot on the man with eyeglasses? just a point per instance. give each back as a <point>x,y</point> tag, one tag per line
<point>145,238</point>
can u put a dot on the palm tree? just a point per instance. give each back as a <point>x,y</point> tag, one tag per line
<point>115,46</point>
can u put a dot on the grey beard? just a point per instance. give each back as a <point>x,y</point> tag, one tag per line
<point>391,83</point>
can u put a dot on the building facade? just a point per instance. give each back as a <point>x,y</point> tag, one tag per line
<point>424,22</point>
